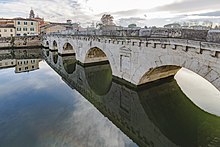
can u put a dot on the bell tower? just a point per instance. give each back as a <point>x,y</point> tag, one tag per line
<point>32,15</point>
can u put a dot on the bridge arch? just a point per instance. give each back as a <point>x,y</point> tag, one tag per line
<point>157,73</point>
<point>170,65</point>
<point>95,54</point>
<point>67,49</point>
<point>55,46</point>
<point>68,46</point>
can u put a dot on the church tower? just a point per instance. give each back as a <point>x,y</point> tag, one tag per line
<point>32,15</point>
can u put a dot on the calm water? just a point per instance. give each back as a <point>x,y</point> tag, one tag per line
<point>49,100</point>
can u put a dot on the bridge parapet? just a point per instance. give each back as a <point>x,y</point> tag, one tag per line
<point>175,43</point>
<point>181,33</point>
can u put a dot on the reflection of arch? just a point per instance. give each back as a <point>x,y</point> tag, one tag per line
<point>68,46</point>
<point>99,78</point>
<point>47,53</point>
<point>69,64</point>
<point>176,116</point>
<point>95,54</point>
<point>159,73</point>
<point>55,47</point>
<point>55,57</point>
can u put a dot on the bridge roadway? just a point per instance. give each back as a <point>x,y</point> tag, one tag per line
<point>142,60</point>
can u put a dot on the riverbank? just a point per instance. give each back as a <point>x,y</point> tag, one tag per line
<point>20,42</point>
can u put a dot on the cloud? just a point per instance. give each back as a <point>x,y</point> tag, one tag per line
<point>88,11</point>
<point>127,21</point>
<point>210,14</point>
<point>189,6</point>
<point>52,10</point>
<point>130,12</point>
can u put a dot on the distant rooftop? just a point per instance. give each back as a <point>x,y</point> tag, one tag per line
<point>7,26</point>
<point>27,19</point>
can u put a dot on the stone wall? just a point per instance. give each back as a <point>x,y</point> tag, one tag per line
<point>213,36</point>
<point>131,59</point>
<point>20,42</point>
<point>190,34</point>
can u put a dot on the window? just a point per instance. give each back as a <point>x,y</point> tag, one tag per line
<point>19,69</point>
<point>11,35</point>
<point>26,68</point>
<point>0,30</point>
<point>19,22</point>
<point>12,63</point>
<point>32,23</point>
<point>32,67</point>
<point>31,29</point>
<point>18,29</point>
<point>11,30</point>
<point>5,30</point>
<point>24,29</point>
<point>0,35</point>
<point>25,23</point>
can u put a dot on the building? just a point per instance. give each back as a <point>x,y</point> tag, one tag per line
<point>52,28</point>
<point>59,27</point>
<point>26,27</point>
<point>40,21</point>
<point>6,21</point>
<point>7,30</point>
<point>173,25</point>
<point>200,27</point>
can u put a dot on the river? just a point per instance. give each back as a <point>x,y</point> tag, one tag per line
<point>48,100</point>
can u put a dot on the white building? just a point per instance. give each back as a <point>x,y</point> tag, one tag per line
<point>7,30</point>
<point>26,27</point>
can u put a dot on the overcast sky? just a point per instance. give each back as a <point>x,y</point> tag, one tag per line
<point>142,12</point>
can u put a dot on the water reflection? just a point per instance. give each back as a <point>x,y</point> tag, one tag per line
<point>199,90</point>
<point>38,109</point>
<point>157,114</point>
<point>69,64</point>
<point>99,80</point>
<point>55,56</point>
<point>24,60</point>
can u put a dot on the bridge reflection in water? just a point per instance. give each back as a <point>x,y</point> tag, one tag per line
<point>156,114</point>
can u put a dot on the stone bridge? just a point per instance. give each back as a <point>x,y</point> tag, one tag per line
<point>139,112</point>
<point>139,60</point>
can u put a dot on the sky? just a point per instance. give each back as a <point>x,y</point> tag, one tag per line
<point>125,12</point>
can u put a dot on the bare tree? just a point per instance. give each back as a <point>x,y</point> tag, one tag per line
<point>107,19</point>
